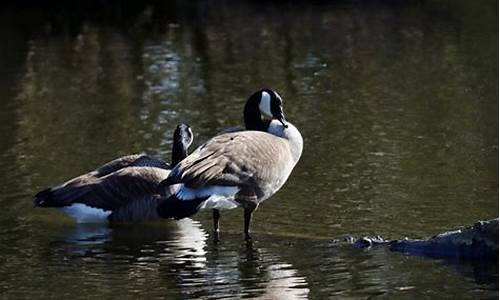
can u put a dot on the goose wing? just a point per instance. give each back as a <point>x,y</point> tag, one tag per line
<point>110,186</point>
<point>129,161</point>
<point>247,158</point>
<point>143,208</point>
<point>121,187</point>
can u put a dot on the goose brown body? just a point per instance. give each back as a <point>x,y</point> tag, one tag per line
<point>233,169</point>
<point>236,159</point>
<point>111,191</point>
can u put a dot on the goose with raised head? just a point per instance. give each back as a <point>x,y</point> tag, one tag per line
<point>236,169</point>
<point>120,190</point>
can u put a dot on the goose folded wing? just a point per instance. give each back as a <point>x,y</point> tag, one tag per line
<point>234,159</point>
<point>137,160</point>
<point>113,190</point>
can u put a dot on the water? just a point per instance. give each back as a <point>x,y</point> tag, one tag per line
<point>397,103</point>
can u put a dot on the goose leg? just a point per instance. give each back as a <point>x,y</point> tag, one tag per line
<point>248,218</point>
<point>216,217</point>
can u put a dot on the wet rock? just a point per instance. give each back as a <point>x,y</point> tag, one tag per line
<point>477,242</point>
<point>343,239</point>
<point>369,241</point>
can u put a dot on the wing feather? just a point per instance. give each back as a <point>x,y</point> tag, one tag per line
<point>109,186</point>
<point>233,159</point>
<point>137,160</point>
<point>123,186</point>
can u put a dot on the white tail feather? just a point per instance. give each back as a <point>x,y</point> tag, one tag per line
<point>86,214</point>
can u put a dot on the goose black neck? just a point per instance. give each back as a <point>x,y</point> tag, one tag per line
<point>252,115</point>
<point>179,152</point>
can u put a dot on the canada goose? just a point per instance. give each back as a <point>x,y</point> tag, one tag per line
<point>116,191</point>
<point>234,169</point>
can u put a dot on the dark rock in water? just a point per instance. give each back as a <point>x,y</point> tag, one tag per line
<point>369,241</point>
<point>343,239</point>
<point>477,242</point>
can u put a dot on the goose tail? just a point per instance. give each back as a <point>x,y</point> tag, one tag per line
<point>45,198</point>
<point>176,208</point>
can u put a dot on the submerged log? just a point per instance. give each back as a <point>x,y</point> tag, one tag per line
<point>476,242</point>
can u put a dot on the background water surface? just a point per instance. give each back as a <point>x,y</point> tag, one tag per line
<point>397,102</point>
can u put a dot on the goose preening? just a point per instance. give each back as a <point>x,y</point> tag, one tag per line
<point>120,190</point>
<point>236,169</point>
<point>124,190</point>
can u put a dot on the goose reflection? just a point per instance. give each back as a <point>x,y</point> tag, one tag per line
<point>275,278</point>
<point>178,257</point>
<point>88,234</point>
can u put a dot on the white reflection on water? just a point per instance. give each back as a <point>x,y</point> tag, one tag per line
<point>161,63</point>
<point>283,283</point>
<point>178,256</point>
<point>189,244</point>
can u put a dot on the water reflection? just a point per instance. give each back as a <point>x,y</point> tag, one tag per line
<point>155,254</point>
<point>88,234</point>
<point>179,260</point>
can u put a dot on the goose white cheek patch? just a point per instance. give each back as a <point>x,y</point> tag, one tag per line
<point>265,104</point>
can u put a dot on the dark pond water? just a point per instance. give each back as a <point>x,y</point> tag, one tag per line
<point>397,103</point>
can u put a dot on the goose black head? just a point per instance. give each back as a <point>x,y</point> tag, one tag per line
<point>182,139</point>
<point>183,134</point>
<point>263,106</point>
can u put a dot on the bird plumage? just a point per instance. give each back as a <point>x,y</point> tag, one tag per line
<point>118,190</point>
<point>234,169</point>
